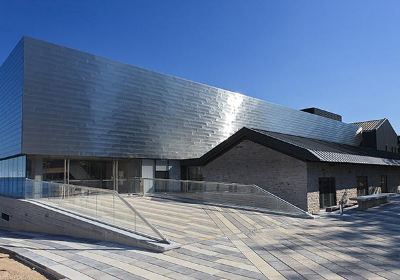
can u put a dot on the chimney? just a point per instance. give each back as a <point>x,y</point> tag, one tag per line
<point>323,113</point>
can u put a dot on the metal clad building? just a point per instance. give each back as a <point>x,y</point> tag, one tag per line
<point>11,91</point>
<point>69,116</point>
<point>78,104</point>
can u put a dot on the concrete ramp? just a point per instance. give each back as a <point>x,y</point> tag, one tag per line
<point>35,216</point>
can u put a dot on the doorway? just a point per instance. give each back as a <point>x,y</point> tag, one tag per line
<point>362,185</point>
<point>327,192</point>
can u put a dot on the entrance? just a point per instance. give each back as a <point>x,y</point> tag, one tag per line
<point>362,185</point>
<point>327,192</point>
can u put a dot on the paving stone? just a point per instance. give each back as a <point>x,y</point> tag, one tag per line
<point>355,246</point>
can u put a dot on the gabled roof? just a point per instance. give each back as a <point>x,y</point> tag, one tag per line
<point>306,149</point>
<point>370,125</point>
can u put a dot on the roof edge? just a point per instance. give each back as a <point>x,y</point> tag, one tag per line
<point>256,137</point>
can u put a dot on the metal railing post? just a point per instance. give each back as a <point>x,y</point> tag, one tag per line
<point>163,238</point>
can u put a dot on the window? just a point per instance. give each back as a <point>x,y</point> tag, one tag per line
<point>12,176</point>
<point>162,175</point>
<point>384,184</point>
<point>327,192</point>
<point>362,185</point>
<point>53,170</point>
<point>194,173</point>
<point>92,173</point>
<point>5,216</point>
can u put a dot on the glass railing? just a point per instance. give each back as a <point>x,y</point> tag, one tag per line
<point>93,183</point>
<point>229,194</point>
<point>106,206</point>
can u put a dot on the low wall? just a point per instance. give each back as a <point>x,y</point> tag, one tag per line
<point>23,215</point>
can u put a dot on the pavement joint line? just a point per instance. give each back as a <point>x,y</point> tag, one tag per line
<point>290,247</point>
<point>266,269</point>
<point>199,250</point>
<point>320,254</point>
<point>125,266</point>
<point>339,249</point>
<point>174,260</point>
<point>359,262</point>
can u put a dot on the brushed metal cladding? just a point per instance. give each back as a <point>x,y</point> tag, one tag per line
<point>79,104</point>
<point>11,91</point>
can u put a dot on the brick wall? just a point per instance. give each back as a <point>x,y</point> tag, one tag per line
<point>346,179</point>
<point>251,163</point>
<point>291,179</point>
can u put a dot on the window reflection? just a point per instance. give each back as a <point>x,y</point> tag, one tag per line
<point>53,170</point>
<point>91,173</point>
<point>12,176</point>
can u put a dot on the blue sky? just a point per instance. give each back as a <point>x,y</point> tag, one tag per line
<point>342,56</point>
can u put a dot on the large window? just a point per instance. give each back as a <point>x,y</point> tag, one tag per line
<point>362,185</point>
<point>194,173</point>
<point>327,192</point>
<point>12,176</point>
<point>92,173</point>
<point>128,169</point>
<point>53,170</point>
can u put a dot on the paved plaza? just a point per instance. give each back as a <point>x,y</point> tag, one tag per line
<point>223,243</point>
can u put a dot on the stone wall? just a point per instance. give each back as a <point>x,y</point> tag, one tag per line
<point>292,179</point>
<point>252,163</point>
<point>313,202</point>
<point>346,179</point>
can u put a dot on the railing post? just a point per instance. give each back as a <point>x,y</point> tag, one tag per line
<point>141,186</point>
<point>142,218</point>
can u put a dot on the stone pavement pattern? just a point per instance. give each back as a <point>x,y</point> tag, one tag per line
<point>223,243</point>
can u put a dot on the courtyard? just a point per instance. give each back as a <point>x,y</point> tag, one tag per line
<point>226,243</point>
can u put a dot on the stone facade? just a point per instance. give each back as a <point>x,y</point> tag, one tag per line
<point>346,179</point>
<point>291,179</point>
<point>252,163</point>
<point>312,202</point>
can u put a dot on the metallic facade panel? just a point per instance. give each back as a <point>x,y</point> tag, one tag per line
<point>11,84</point>
<point>79,104</point>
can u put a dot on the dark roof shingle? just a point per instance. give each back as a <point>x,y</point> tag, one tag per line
<point>306,149</point>
<point>370,125</point>
<point>334,152</point>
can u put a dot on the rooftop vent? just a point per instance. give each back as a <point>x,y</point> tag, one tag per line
<point>323,113</point>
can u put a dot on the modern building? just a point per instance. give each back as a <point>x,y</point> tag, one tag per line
<point>73,117</point>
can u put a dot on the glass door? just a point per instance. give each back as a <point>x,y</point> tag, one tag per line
<point>327,192</point>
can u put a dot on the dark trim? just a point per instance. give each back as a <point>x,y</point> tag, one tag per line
<point>256,137</point>
<point>285,147</point>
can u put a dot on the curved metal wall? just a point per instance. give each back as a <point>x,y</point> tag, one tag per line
<point>11,83</point>
<point>82,105</point>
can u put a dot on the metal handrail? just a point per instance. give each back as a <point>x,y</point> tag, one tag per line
<point>115,193</point>
<point>249,187</point>
<point>163,238</point>
<point>282,200</point>
<point>190,181</point>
